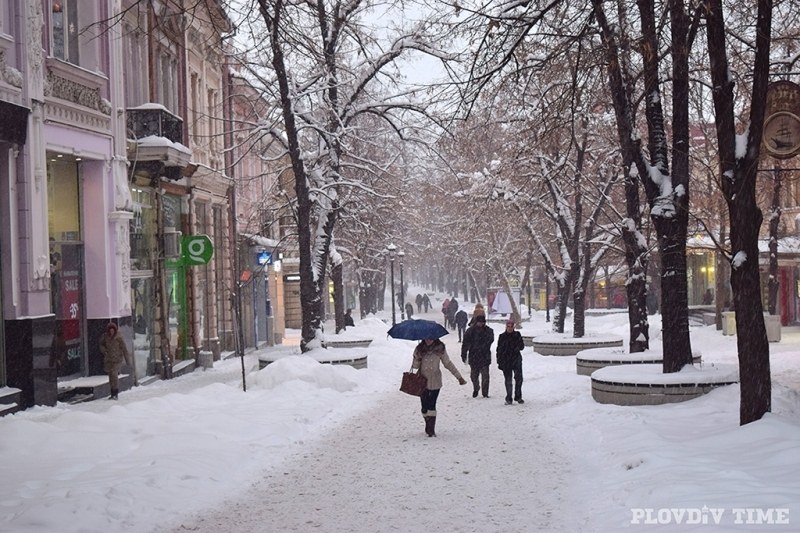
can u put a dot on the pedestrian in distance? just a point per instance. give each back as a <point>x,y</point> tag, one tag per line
<point>509,360</point>
<point>452,309</point>
<point>428,355</point>
<point>476,350</point>
<point>461,323</point>
<point>115,353</point>
<point>445,309</point>
<point>426,302</point>
<point>418,301</point>
<point>348,318</point>
<point>478,310</point>
<point>409,310</point>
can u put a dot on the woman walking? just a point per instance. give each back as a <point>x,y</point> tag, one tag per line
<point>427,356</point>
<point>114,351</point>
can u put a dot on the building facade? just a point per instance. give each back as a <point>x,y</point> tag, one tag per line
<point>66,204</point>
<point>115,148</point>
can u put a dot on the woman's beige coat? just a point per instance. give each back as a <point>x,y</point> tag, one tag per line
<point>428,361</point>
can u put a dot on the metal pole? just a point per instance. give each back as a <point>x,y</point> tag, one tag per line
<point>402,293</point>
<point>391,269</point>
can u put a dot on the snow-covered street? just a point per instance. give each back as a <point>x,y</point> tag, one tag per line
<point>313,447</point>
<point>379,472</point>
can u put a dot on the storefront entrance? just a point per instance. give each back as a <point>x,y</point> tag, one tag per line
<point>68,353</point>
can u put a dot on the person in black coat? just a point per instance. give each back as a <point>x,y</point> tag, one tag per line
<point>452,308</point>
<point>348,318</point>
<point>476,350</point>
<point>509,360</point>
<point>461,323</point>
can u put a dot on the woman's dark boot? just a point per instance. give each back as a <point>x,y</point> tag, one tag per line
<point>114,394</point>
<point>430,426</point>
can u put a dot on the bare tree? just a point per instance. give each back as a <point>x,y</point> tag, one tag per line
<point>329,71</point>
<point>738,160</point>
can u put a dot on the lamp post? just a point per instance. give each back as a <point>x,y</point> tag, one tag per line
<point>401,255</point>
<point>391,249</point>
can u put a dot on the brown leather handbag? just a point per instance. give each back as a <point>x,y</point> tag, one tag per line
<point>413,383</point>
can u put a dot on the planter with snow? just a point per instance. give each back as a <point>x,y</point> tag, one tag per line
<point>588,361</point>
<point>646,384</point>
<point>562,344</point>
<point>353,357</point>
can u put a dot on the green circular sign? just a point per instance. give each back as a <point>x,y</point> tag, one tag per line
<point>196,249</point>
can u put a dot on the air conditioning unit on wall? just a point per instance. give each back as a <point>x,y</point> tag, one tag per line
<point>172,242</point>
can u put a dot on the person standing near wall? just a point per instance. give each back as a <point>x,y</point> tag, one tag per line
<point>115,352</point>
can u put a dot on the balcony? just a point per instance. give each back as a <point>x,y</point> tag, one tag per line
<point>155,147</point>
<point>153,120</point>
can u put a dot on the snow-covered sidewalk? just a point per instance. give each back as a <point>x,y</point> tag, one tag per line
<point>313,447</point>
<point>491,467</point>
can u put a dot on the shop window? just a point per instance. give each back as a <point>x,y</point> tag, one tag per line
<point>142,229</point>
<point>66,263</point>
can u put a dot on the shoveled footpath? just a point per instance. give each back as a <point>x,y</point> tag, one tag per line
<point>491,467</point>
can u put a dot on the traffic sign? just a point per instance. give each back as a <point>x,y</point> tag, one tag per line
<point>196,250</point>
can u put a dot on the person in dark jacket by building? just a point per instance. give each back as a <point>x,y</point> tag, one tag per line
<point>461,323</point>
<point>476,349</point>
<point>115,353</point>
<point>428,355</point>
<point>509,360</point>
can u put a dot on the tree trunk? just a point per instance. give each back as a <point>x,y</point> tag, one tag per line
<point>738,171</point>
<point>636,260</point>
<point>753,347</point>
<point>338,296</point>
<point>674,297</point>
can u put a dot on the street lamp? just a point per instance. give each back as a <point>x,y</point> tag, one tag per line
<point>391,249</point>
<point>401,255</point>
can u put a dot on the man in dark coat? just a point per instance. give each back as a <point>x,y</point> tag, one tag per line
<point>426,302</point>
<point>476,350</point>
<point>509,360</point>
<point>452,307</point>
<point>461,323</point>
<point>418,299</point>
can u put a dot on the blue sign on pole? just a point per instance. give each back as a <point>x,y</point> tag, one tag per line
<point>264,258</point>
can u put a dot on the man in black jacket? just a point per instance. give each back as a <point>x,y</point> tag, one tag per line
<point>509,360</point>
<point>461,323</point>
<point>477,350</point>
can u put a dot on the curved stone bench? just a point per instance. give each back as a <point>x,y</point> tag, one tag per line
<point>555,345</point>
<point>335,357</point>
<point>587,361</point>
<point>646,384</point>
<point>354,343</point>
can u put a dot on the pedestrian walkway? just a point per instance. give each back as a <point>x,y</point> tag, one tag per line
<point>379,471</point>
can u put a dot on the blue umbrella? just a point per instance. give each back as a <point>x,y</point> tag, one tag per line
<point>416,330</point>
